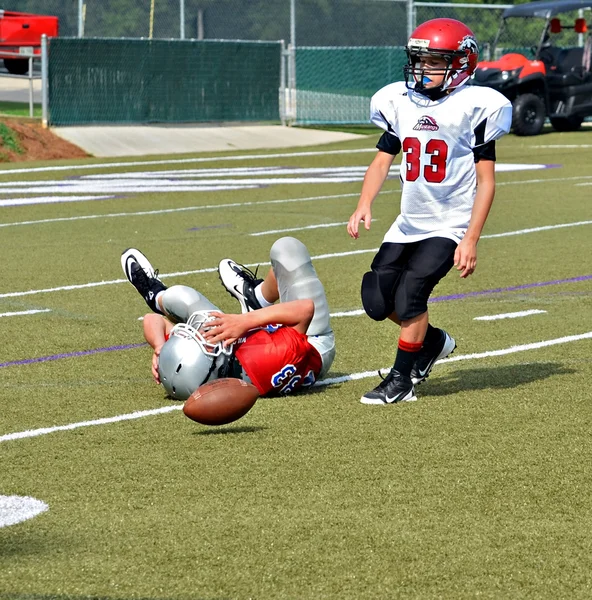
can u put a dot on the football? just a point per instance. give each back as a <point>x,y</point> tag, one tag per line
<point>221,401</point>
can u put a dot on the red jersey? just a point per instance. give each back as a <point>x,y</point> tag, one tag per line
<point>279,360</point>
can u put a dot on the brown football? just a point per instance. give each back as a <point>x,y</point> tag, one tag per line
<point>221,401</point>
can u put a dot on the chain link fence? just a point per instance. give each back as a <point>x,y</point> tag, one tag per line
<point>315,23</point>
<point>337,52</point>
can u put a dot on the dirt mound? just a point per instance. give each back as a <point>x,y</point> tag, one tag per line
<point>26,140</point>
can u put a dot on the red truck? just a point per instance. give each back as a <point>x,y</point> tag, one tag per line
<point>20,37</point>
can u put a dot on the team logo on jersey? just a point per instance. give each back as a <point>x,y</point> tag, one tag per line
<point>426,123</point>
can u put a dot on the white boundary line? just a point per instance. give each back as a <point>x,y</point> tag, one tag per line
<point>25,312</point>
<point>510,350</point>
<point>181,161</point>
<point>352,377</point>
<point>512,315</point>
<point>188,208</point>
<point>303,228</point>
<point>255,264</point>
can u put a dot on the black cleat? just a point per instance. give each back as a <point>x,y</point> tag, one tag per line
<point>429,356</point>
<point>142,276</point>
<point>392,389</point>
<point>240,283</point>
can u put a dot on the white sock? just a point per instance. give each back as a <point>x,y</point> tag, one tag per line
<point>160,311</point>
<point>259,295</point>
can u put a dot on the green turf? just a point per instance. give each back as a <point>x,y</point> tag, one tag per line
<point>479,489</point>
<point>19,109</point>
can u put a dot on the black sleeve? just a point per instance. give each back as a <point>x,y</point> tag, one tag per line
<point>485,152</point>
<point>389,143</point>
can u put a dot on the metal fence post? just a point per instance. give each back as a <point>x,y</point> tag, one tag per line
<point>182,19</point>
<point>283,86</point>
<point>410,18</point>
<point>80,18</point>
<point>44,83</point>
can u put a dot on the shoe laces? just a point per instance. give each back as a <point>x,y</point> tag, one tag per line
<point>385,380</point>
<point>143,276</point>
<point>245,272</point>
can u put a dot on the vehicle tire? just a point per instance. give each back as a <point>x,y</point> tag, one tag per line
<point>16,66</point>
<point>567,123</point>
<point>528,114</point>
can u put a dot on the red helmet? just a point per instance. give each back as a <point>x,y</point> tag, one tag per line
<point>444,38</point>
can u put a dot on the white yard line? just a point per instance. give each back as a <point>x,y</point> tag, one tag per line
<point>512,315</point>
<point>536,229</point>
<point>321,226</point>
<point>255,264</point>
<point>48,200</point>
<point>348,313</point>
<point>181,161</point>
<point>187,208</point>
<point>511,350</point>
<point>25,312</point>
<point>351,377</point>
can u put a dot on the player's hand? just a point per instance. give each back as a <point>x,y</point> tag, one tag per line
<point>227,328</point>
<point>361,214</point>
<point>465,258</point>
<point>155,356</point>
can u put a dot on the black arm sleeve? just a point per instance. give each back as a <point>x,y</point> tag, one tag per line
<point>485,152</point>
<point>389,143</point>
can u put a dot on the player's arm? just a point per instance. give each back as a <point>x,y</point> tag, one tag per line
<point>156,330</point>
<point>374,179</point>
<point>465,257</point>
<point>230,327</point>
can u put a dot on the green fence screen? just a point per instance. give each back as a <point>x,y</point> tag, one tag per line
<point>172,81</point>
<point>335,84</point>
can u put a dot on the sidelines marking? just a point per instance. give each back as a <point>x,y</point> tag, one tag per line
<point>512,315</point>
<point>25,312</point>
<point>353,376</point>
<point>186,208</point>
<point>181,161</point>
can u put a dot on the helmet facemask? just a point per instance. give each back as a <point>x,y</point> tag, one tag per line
<point>418,75</point>
<point>187,360</point>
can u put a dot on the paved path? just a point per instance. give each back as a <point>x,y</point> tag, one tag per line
<point>137,140</point>
<point>142,140</point>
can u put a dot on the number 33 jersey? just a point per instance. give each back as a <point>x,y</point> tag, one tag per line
<point>279,360</point>
<point>437,139</point>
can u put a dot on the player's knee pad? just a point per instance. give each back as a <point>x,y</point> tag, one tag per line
<point>290,253</point>
<point>376,296</point>
<point>180,301</point>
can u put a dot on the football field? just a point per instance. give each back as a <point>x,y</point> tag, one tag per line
<point>481,488</point>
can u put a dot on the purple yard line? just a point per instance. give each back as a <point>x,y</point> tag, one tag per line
<point>40,359</point>
<point>29,361</point>
<point>512,288</point>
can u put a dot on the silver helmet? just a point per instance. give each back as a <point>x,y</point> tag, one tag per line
<point>187,360</point>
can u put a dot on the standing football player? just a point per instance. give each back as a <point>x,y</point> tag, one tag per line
<point>279,348</point>
<point>446,132</point>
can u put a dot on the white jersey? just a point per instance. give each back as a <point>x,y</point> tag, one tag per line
<point>438,167</point>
